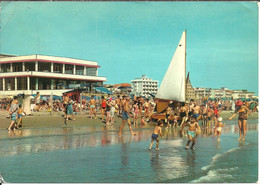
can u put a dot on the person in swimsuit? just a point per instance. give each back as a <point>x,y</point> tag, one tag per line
<point>218,127</point>
<point>13,113</point>
<point>183,114</point>
<point>92,103</point>
<point>193,125</point>
<point>112,111</point>
<point>196,110</point>
<point>20,116</point>
<point>155,135</point>
<point>204,115</point>
<point>70,111</point>
<point>126,117</point>
<point>117,106</point>
<point>146,108</point>
<point>243,113</point>
<point>103,108</point>
<point>108,108</point>
<point>210,114</point>
<point>168,113</point>
<point>136,112</point>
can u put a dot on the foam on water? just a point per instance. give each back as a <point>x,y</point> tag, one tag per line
<point>216,157</point>
<point>216,175</point>
<point>2,179</point>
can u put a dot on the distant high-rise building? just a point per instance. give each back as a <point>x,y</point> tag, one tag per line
<point>143,86</point>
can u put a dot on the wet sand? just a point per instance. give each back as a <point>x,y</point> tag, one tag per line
<point>45,120</point>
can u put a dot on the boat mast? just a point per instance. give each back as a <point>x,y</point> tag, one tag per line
<point>185,67</point>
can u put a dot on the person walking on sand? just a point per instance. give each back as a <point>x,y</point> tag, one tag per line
<point>243,113</point>
<point>13,112</point>
<point>92,109</point>
<point>20,116</point>
<point>155,135</point>
<point>126,117</point>
<point>218,127</point>
<point>193,126</point>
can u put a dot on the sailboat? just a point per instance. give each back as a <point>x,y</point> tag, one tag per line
<point>173,86</point>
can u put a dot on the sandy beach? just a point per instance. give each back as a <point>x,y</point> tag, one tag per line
<point>45,120</point>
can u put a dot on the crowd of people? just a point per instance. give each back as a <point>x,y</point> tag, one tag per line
<point>139,111</point>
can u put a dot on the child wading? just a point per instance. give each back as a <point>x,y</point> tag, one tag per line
<point>20,116</point>
<point>219,126</point>
<point>193,125</point>
<point>156,132</point>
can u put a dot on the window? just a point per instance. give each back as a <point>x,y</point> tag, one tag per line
<point>57,68</point>
<point>22,83</point>
<point>79,70</point>
<point>17,67</point>
<point>5,68</point>
<point>68,69</point>
<point>9,84</point>
<point>91,71</point>
<point>29,66</point>
<point>44,66</point>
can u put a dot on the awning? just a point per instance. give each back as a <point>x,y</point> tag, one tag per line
<point>102,90</point>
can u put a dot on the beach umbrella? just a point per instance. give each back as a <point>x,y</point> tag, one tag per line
<point>57,97</point>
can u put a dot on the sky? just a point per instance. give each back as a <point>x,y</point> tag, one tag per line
<point>131,39</point>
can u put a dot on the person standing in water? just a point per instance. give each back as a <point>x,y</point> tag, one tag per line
<point>193,125</point>
<point>13,113</point>
<point>218,127</point>
<point>243,113</point>
<point>155,135</point>
<point>126,116</point>
<point>20,116</point>
<point>92,103</point>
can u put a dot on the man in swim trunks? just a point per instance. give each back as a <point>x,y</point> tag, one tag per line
<point>156,132</point>
<point>193,125</point>
<point>92,109</point>
<point>210,116</point>
<point>196,110</point>
<point>204,114</point>
<point>183,114</point>
<point>126,116</point>
<point>168,113</point>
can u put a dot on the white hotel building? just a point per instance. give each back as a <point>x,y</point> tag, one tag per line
<point>46,74</point>
<point>143,86</point>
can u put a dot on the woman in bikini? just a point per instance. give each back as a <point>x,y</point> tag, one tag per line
<point>243,113</point>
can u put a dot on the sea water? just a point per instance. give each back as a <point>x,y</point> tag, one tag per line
<point>87,155</point>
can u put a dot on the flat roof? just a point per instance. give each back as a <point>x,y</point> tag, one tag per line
<point>45,58</point>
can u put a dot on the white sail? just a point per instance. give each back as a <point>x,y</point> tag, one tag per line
<point>173,83</point>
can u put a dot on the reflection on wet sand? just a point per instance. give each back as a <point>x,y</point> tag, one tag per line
<point>40,140</point>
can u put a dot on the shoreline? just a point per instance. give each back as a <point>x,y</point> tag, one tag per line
<point>45,120</point>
